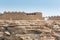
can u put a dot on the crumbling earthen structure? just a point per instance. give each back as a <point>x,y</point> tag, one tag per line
<point>21,16</point>
<point>28,26</point>
<point>54,18</point>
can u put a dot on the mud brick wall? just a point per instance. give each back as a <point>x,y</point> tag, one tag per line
<point>21,16</point>
<point>54,18</point>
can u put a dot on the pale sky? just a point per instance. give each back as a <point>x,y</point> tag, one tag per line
<point>47,7</point>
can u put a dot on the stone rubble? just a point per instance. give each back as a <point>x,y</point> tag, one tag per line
<point>29,30</point>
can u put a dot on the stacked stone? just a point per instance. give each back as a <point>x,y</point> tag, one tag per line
<point>25,30</point>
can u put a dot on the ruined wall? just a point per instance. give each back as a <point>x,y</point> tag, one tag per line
<point>21,16</point>
<point>54,18</point>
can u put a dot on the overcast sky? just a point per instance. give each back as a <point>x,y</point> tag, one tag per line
<point>47,7</point>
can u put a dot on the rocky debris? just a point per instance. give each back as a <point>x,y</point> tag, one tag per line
<point>29,30</point>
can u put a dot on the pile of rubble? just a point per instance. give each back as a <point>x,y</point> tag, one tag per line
<point>29,30</point>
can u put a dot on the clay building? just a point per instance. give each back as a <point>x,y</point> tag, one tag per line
<point>54,18</point>
<point>21,16</point>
